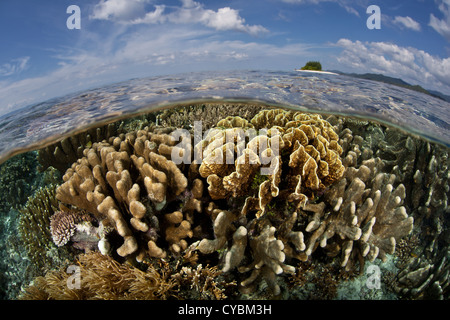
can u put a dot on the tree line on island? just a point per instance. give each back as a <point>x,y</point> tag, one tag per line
<point>312,65</point>
<point>317,66</point>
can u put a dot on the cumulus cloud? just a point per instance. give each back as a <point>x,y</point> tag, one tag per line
<point>119,10</point>
<point>161,50</point>
<point>190,12</point>
<point>407,22</point>
<point>410,64</point>
<point>442,26</point>
<point>13,67</point>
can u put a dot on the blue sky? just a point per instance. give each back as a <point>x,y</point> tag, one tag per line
<point>40,58</point>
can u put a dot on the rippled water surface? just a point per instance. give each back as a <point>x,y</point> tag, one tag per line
<point>357,209</point>
<point>413,111</point>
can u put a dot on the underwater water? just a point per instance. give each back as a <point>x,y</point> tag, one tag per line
<point>231,185</point>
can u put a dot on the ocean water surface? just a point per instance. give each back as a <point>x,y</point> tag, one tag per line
<point>124,191</point>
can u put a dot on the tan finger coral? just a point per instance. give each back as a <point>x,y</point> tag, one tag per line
<point>118,181</point>
<point>368,221</point>
<point>223,227</point>
<point>177,230</point>
<point>268,259</point>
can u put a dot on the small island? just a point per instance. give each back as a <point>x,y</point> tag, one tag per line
<point>312,65</point>
<point>315,67</point>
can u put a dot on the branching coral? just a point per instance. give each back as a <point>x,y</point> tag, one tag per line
<point>369,222</point>
<point>260,193</point>
<point>363,209</point>
<point>126,182</point>
<point>424,280</point>
<point>268,258</point>
<point>63,225</point>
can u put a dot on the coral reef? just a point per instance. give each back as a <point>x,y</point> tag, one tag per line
<point>270,195</point>
<point>17,176</point>
<point>423,169</point>
<point>184,116</point>
<point>307,143</point>
<point>132,184</point>
<point>63,153</point>
<point>103,278</point>
<point>362,213</point>
<point>127,184</point>
<point>35,230</point>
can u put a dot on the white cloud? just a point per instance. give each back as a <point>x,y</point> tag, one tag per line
<point>407,22</point>
<point>439,68</point>
<point>150,50</point>
<point>13,67</point>
<point>442,26</point>
<point>190,12</point>
<point>119,10</point>
<point>156,16</point>
<point>410,64</point>
<point>397,54</point>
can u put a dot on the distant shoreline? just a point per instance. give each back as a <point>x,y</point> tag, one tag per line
<point>315,71</point>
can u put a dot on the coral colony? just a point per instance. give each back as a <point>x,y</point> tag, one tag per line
<point>220,209</point>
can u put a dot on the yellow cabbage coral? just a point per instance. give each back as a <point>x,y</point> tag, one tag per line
<point>305,146</point>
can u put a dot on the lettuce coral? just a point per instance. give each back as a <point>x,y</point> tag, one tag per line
<point>306,143</point>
